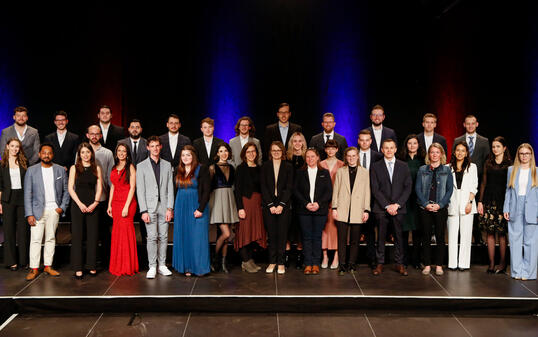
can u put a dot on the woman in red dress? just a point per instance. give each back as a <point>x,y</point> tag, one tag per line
<point>122,208</point>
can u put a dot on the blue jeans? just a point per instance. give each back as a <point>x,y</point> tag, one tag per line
<point>312,228</point>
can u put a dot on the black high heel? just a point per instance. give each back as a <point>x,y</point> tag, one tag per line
<point>490,271</point>
<point>500,271</point>
<point>78,277</point>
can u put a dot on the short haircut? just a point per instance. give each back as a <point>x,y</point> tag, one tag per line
<point>388,140</point>
<point>365,132</point>
<point>46,144</point>
<point>135,120</point>
<point>280,146</point>
<point>94,125</point>
<point>20,109</point>
<point>331,143</point>
<point>470,116</point>
<point>173,116</point>
<point>283,104</point>
<point>378,107</point>
<point>208,120</point>
<point>429,115</point>
<point>60,113</point>
<point>104,106</point>
<point>154,139</point>
<point>328,115</point>
<point>243,154</point>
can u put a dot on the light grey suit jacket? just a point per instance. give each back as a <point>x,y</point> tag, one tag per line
<point>34,190</point>
<point>148,192</point>
<point>30,143</point>
<point>235,144</point>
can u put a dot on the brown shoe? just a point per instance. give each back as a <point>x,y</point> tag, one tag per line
<point>315,270</point>
<point>308,270</point>
<point>401,269</point>
<point>378,270</point>
<point>32,274</point>
<point>51,271</point>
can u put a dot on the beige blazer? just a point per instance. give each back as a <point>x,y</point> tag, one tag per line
<point>343,199</point>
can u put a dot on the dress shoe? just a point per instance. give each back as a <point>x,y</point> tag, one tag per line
<point>223,266</point>
<point>500,271</point>
<point>300,260</point>
<point>352,267</point>
<point>163,270</point>
<point>308,270</point>
<point>78,277</point>
<point>32,274</point>
<point>453,269</point>
<point>92,273</point>
<point>334,265</point>
<point>325,263</point>
<point>402,270</point>
<point>342,270</point>
<point>490,271</point>
<point>378,270</point>
<point>151,272</point>
<point>315,270</point>
<point>270,268</point>
<point>14,267</point>
<point>50,271</point>
<point>463,269</point>
<point>439,271</point>
<point>245,266</point>
<point>281,269</point>
<point>426,271</point>
<point>287,258</point>
<point>253,264</point>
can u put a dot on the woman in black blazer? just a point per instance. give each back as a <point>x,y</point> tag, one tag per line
<point>276,186</point>
<point>313,191</point>
<point>16,232</point>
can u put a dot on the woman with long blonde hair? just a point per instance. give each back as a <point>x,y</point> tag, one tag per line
<point>521,211</point>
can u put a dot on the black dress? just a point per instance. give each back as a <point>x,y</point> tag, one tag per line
<point>492,192</point>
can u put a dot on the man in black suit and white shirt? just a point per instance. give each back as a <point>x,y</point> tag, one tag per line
<point>206,146</point>
<point>64,143</point>
<point>429,136</point>
<point>380,132</point>
<point>136,144</point>
<point>391,183</point>
<point>173,141</point>
<point>111,133</point>
<point>282,130</point>
<point>28,135</point>
<point>318,141</point>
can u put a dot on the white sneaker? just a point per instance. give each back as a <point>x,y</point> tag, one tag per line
<point>163,270</point>
<point>151,272</point>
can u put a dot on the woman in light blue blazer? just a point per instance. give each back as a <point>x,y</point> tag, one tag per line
<point>521,211</point>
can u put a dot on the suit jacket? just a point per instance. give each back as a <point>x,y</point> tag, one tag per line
<point>343,199</point>
<point>469,184</point>
<point>318,142</point>
<point>385,192</point>
<point>480,153</point>
<point>34,190</point>
<point>141,149</point>
<point>323,191</point>
<point>115,133</point>
<point>5,182</point>
<point>437,138</point>
<point>284,184</point>
<point>531,199</point>
<point>166,153</point>
<point>386,133</point>
<point>64,155</point>
<point>235,144</point>
<point>201,151</point>
<point>30,143</point>
<point>148,192</point>
<point>272,133</point>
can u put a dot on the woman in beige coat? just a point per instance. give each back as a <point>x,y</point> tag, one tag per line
<point>350,206</point>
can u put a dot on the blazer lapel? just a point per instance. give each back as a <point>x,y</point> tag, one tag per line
<point>346,179</point>
<point>41,182</point>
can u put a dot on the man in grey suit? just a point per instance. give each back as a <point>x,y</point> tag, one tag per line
<point>318,141</point>
<point>136,144</point>
<point>155,192</point>
<point>244,133</point>
<point>45,199</point>
<point>25,133</point>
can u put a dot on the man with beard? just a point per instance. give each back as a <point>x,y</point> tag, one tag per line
<point>65,143</point>
<point>136,144</point>
<point>318,141</point>
<point>378,131</point>
<point>110,133</point>
<point>26,134</point>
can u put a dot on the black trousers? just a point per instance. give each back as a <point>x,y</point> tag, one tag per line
<point>105,223</point>
<point>438,221</point>
<point>80,220</point>
<point>16,232</point>
<point>369,233</point>
<point>384,220</point>
<point>354,237</point>
<point>277,226</point>
<point>412,254</point>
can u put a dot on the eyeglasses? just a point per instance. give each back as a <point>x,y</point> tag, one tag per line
<point>524,153</point>
<point>276,150</point>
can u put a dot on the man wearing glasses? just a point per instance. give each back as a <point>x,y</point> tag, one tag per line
<point>64,143</point>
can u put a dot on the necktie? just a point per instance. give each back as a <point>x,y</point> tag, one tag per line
<point>471,145</point>
<point>328,137</point>
<point>364,160</point>
<point>134,151</point>
<point>391,170</point>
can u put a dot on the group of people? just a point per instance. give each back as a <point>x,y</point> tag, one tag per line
<point>319,197</point>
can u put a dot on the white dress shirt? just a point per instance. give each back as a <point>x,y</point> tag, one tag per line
<point>428,140</point>
<point>312,172</point>
<point>48,182</point>
<point>377,136</point>
<point>331,136</point>
<point>173,142</point>
<point>243,140</point>
<point>470,135</point>
<point>208,146</point>
<point>21,137</point>
<point>393,161</point>
<point>104,131</point>
<point>368,156</point>
<point>61,136</point>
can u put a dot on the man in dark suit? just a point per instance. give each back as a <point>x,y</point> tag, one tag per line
<point>111,133</point>
<point>318,141</point>
<point>429,136</point>
<point>282,130</point>
<point>173,141</point>
<point>380,132</point>
<point>206,146</point>
<point>366,158</point>
<point>136,144</point>
<point>28,135</point>
<point>391,183</point>
<point>65,143</point>
<point>478,151</point>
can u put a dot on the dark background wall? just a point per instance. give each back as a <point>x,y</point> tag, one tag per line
<point>233,58</point>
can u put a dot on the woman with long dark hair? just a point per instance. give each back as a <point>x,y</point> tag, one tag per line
<point>122,208</point>
<point>491,201</point>
<point>84,187</point>
<point>16,231</point>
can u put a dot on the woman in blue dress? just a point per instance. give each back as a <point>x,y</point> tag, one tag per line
<point>191,220</point>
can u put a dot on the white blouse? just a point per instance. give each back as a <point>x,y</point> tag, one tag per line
<point>523,181</point>
<point>15,175</point>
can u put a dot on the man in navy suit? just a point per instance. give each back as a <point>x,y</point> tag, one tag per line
<point>206,146</point>
<point>391,183</point>
<point>281,130</point>
<point>65,143</point>
<point>380,132</point>
<point>429,136</point>
<point>318,141</point>
<point>173,141</point>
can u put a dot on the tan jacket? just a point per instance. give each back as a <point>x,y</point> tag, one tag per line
<point>359,200</point>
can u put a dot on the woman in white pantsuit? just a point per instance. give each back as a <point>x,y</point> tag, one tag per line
<point>462,208</point>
